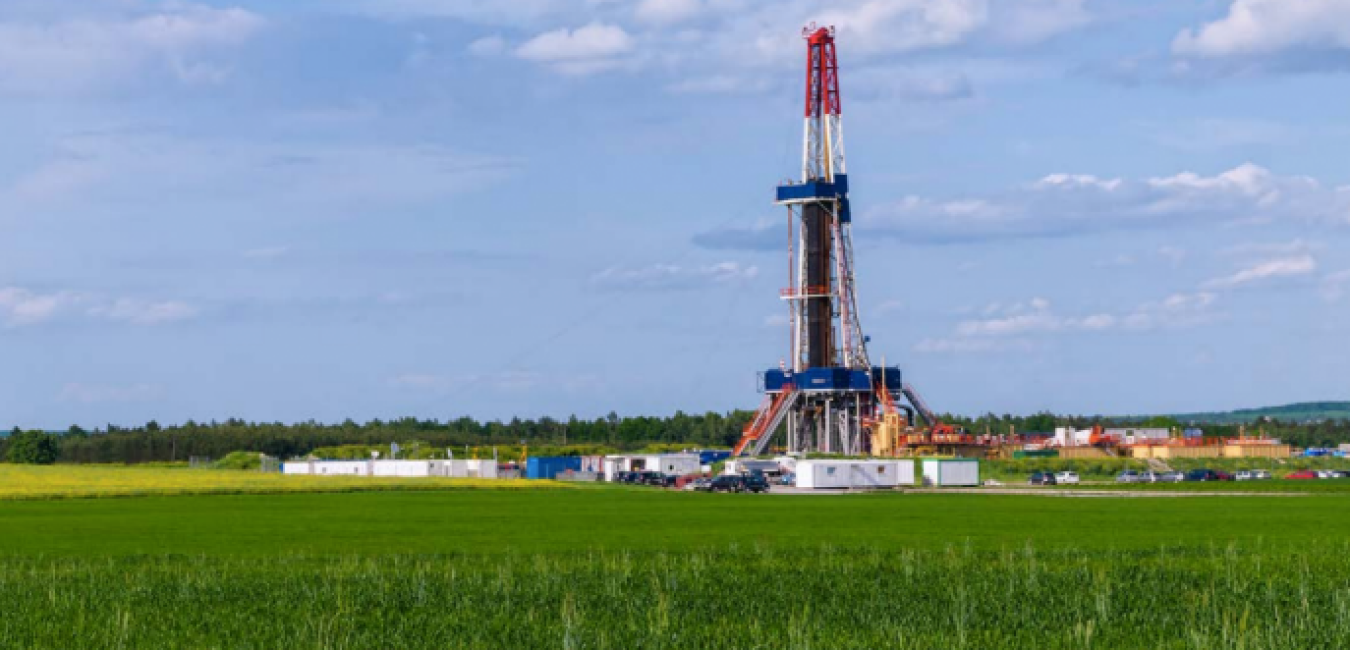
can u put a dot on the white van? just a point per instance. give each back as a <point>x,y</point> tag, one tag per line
<point>1066,478</point>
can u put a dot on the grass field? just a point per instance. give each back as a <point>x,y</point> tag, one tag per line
<point>643,568</point>
<point>96,481</point>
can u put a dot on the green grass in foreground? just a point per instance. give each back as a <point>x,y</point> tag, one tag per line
<point>633,568</point>
<point>818,597</point>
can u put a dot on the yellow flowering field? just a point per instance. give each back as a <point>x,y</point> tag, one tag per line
<point>85,481</point>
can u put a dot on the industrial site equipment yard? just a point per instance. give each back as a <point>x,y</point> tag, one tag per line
<point>263,229</point>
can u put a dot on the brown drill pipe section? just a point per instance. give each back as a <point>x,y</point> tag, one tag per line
<point>819,311</point>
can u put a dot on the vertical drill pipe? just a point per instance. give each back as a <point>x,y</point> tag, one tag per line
<point>819,310</point>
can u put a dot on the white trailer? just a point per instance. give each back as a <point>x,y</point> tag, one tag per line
<point>951,472</point>
<point>393,468</point>
<point>409,468</point>
<point>673,464</point>
<point>485,468</point>
<point>854,474</point>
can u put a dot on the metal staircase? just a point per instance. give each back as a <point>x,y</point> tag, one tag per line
<point>767,418</point>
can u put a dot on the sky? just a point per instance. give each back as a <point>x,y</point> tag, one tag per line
<point>330,209</point>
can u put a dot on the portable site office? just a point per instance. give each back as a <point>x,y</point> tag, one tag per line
<point>951,472</point>
<point>854,474</point>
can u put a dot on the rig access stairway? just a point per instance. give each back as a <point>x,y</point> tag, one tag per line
<point>767,418</point>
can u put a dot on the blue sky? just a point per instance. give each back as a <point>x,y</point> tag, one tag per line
<point>377,208</point>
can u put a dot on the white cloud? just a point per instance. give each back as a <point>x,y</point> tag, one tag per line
<point>23,307</point>
<point>667,11</point>
<point>80,55</point>
<point>19,306</point>
<point>1033,21</point>
<point>142,312</point>
<point>887,26</point>
<point>673,276</point>
<point>488,46</point>
<point>96,393</point>
<point>1065,204</point>
<point>1021,325</point>
<point>1177,310</point>
<point>587,49</point>
<point>1298,265</point>
<point>1263,27</point>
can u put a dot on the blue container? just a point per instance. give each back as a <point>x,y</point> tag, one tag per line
<point>710,456</point>
<point>550,466</point>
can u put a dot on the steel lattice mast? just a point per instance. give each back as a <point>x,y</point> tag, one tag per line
<point>829,393</point>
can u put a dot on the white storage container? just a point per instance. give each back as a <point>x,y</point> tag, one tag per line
<point>951,472</point>
<point>854,474</point>
<point>482,468</point>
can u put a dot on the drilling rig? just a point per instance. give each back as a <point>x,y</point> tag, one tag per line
<point>826,392</point>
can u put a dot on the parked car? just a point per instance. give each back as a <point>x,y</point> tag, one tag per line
<point>1205,475</point>
<point>658,479</point>
<point>697,485</point>
<point>1302,474</point>
<point>1066,478</point>
<point>1328,473</point>
<point>1220,475</point>
<point>1042,478</point>
<point>788,479</point>
<point>1171,477</point>
<point>1149,477</point>
<point>1128,476</point>
<point>727,483</point>
<point>755,483</point>
<point>1253,475</point>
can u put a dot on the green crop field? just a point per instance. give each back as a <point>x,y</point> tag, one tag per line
<point>639,568</point>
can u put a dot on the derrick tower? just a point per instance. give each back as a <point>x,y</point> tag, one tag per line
<point>826,392</point>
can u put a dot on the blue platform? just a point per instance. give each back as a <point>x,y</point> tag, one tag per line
<point>819,191</point>
<point>830,379</point>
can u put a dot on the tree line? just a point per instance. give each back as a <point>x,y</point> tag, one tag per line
<point>152,442</point>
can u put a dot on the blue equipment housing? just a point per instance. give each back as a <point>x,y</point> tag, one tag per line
<point>817,190</point>
<point>831,379</point>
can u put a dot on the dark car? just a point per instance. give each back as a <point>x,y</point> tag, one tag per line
<point>1042,478</point>
<point>755,483</point>
<point>727,483</point>
<point>1204,475</point>
<point>660,480</point>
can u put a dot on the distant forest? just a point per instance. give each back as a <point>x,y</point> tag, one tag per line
<point>155,443</point>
